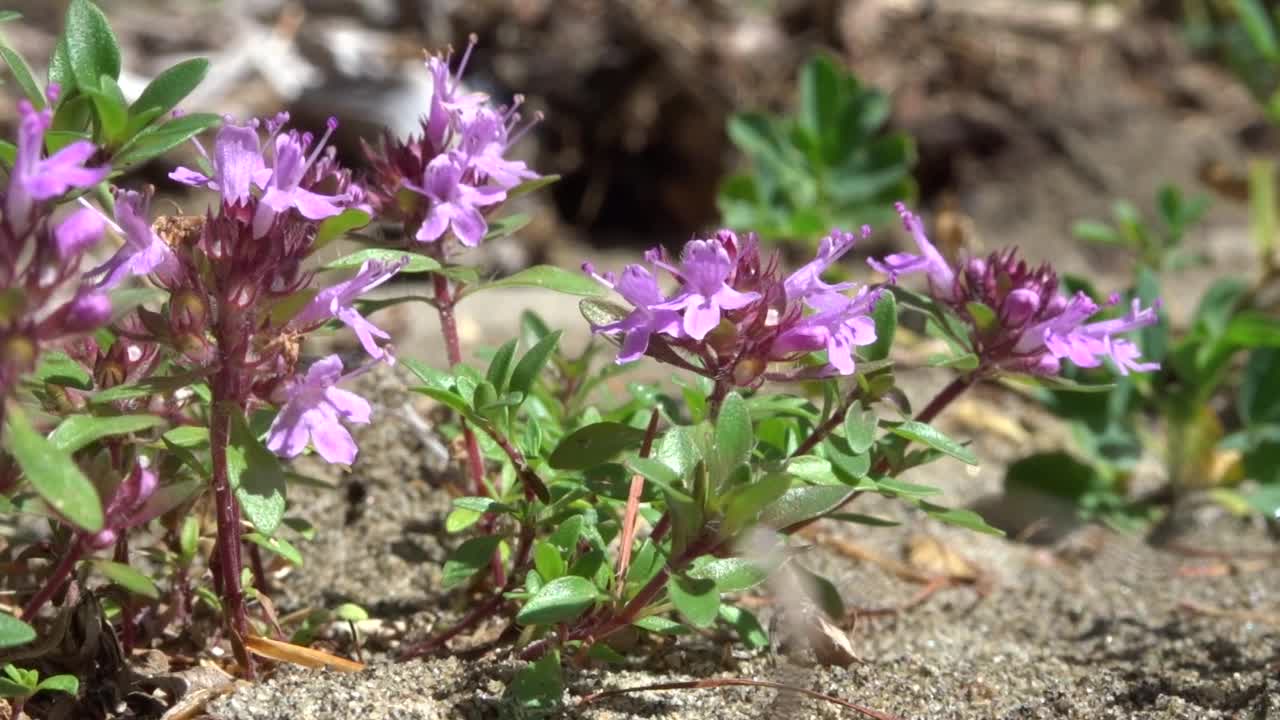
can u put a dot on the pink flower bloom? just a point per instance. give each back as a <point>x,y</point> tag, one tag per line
<point>640,288</point>
<point>929,261</point>
<point>808,279</point>
<point>704,269</point>
<point>840,324</point>
<point>127,506</point>
<point>79,231</point>
<point>454,203</point>
<point>34,178</point>
<point>282,189</point>
<point>338,301</point>
<point>143,251</point>
<point>485,139</point>
<point>313,411</point>
<point>237,163</point>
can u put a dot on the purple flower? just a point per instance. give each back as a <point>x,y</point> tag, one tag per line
<point>448,98</point>
<point>640,288</point>
<point>840,324</point>
<point>88,310</point>
<point>929,261</point>
<point>808,279</point>
<point>1028,326</point>
<point>237,163</point>
<point>485,139</point>
<point>143,251</point>
<point>127,506</point>
<point>282,189</point>
<point>338,301</point>
<point>1066,335</point>
<point>704,270</point>
<point>312,413</point>
<point>32,178</point>
<point>75,234</point>
<point>454,202</point>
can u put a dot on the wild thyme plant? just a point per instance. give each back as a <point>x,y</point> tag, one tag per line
<point>175,371</point>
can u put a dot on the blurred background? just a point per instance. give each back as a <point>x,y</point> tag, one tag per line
<point>1006,121</point>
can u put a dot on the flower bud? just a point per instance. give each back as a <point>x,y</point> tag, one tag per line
<point>187,313</point>
<point>1019,306</point>
<point>747,370</point>
<point>102,539</point>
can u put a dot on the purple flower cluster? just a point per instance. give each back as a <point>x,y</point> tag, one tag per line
<point>735,314</point>
<point>230,272</point>
<point>446,179</point>
<point>1034,326</point>
<point>44,298</point>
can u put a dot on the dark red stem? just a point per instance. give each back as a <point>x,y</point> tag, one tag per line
<point>61,573</point>
<point>227,512</point>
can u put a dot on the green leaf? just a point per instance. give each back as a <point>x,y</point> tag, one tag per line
<point>277,546</point>
<point>470,557</point>
<point>11,689</point>
<point>160,139</point>
<point>697,599</point>
<point>860,427</point>
<point>733,434</point>
<point>79,431</point>
<point>417,263</point>
<point>332,228</point>
<point>68,684</point>
<point>548,561</point>
<point>749,629</point>
<point>53,474</point>
<point>885,316</point>
<point>803,503</point>
<point>731,574</point>
<point>934,438</point>
<point>595,444</point>
<point>1056,382</point>
<point>959,517</point>
<point>259,480</point>
<point>529,186</point>
<point>1096,232</point>
<point>126,300</point>
<point>14,632</point>
<point>172,85</point>
<point>128,578</point>
<point>1258,400</point>
<point>9,16</point>
<point>1263,222</point>
<point>861,519</point>
<point>660,625</point>
<point>505,226</point>
<point>1257,26</point>
<point>1251,329</point>
<point>539,686</point>
<point>351,612</point>
<point>57,368</point>
<point>560,600</point>
<point>744,504</point>
<point>548,277</point>
<point>527,370</point>
<point>91,46</point>
<point>112,109</point>
<point>60,73</point>
<point>8,153</point>
<point>678,450</point>
<point>22,73</point>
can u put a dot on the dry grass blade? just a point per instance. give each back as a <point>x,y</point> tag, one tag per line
<point>299,655</point>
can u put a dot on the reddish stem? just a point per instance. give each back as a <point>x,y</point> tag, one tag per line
<point>61,573</point>
<point>227,510</point>
<point>486,608</point>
